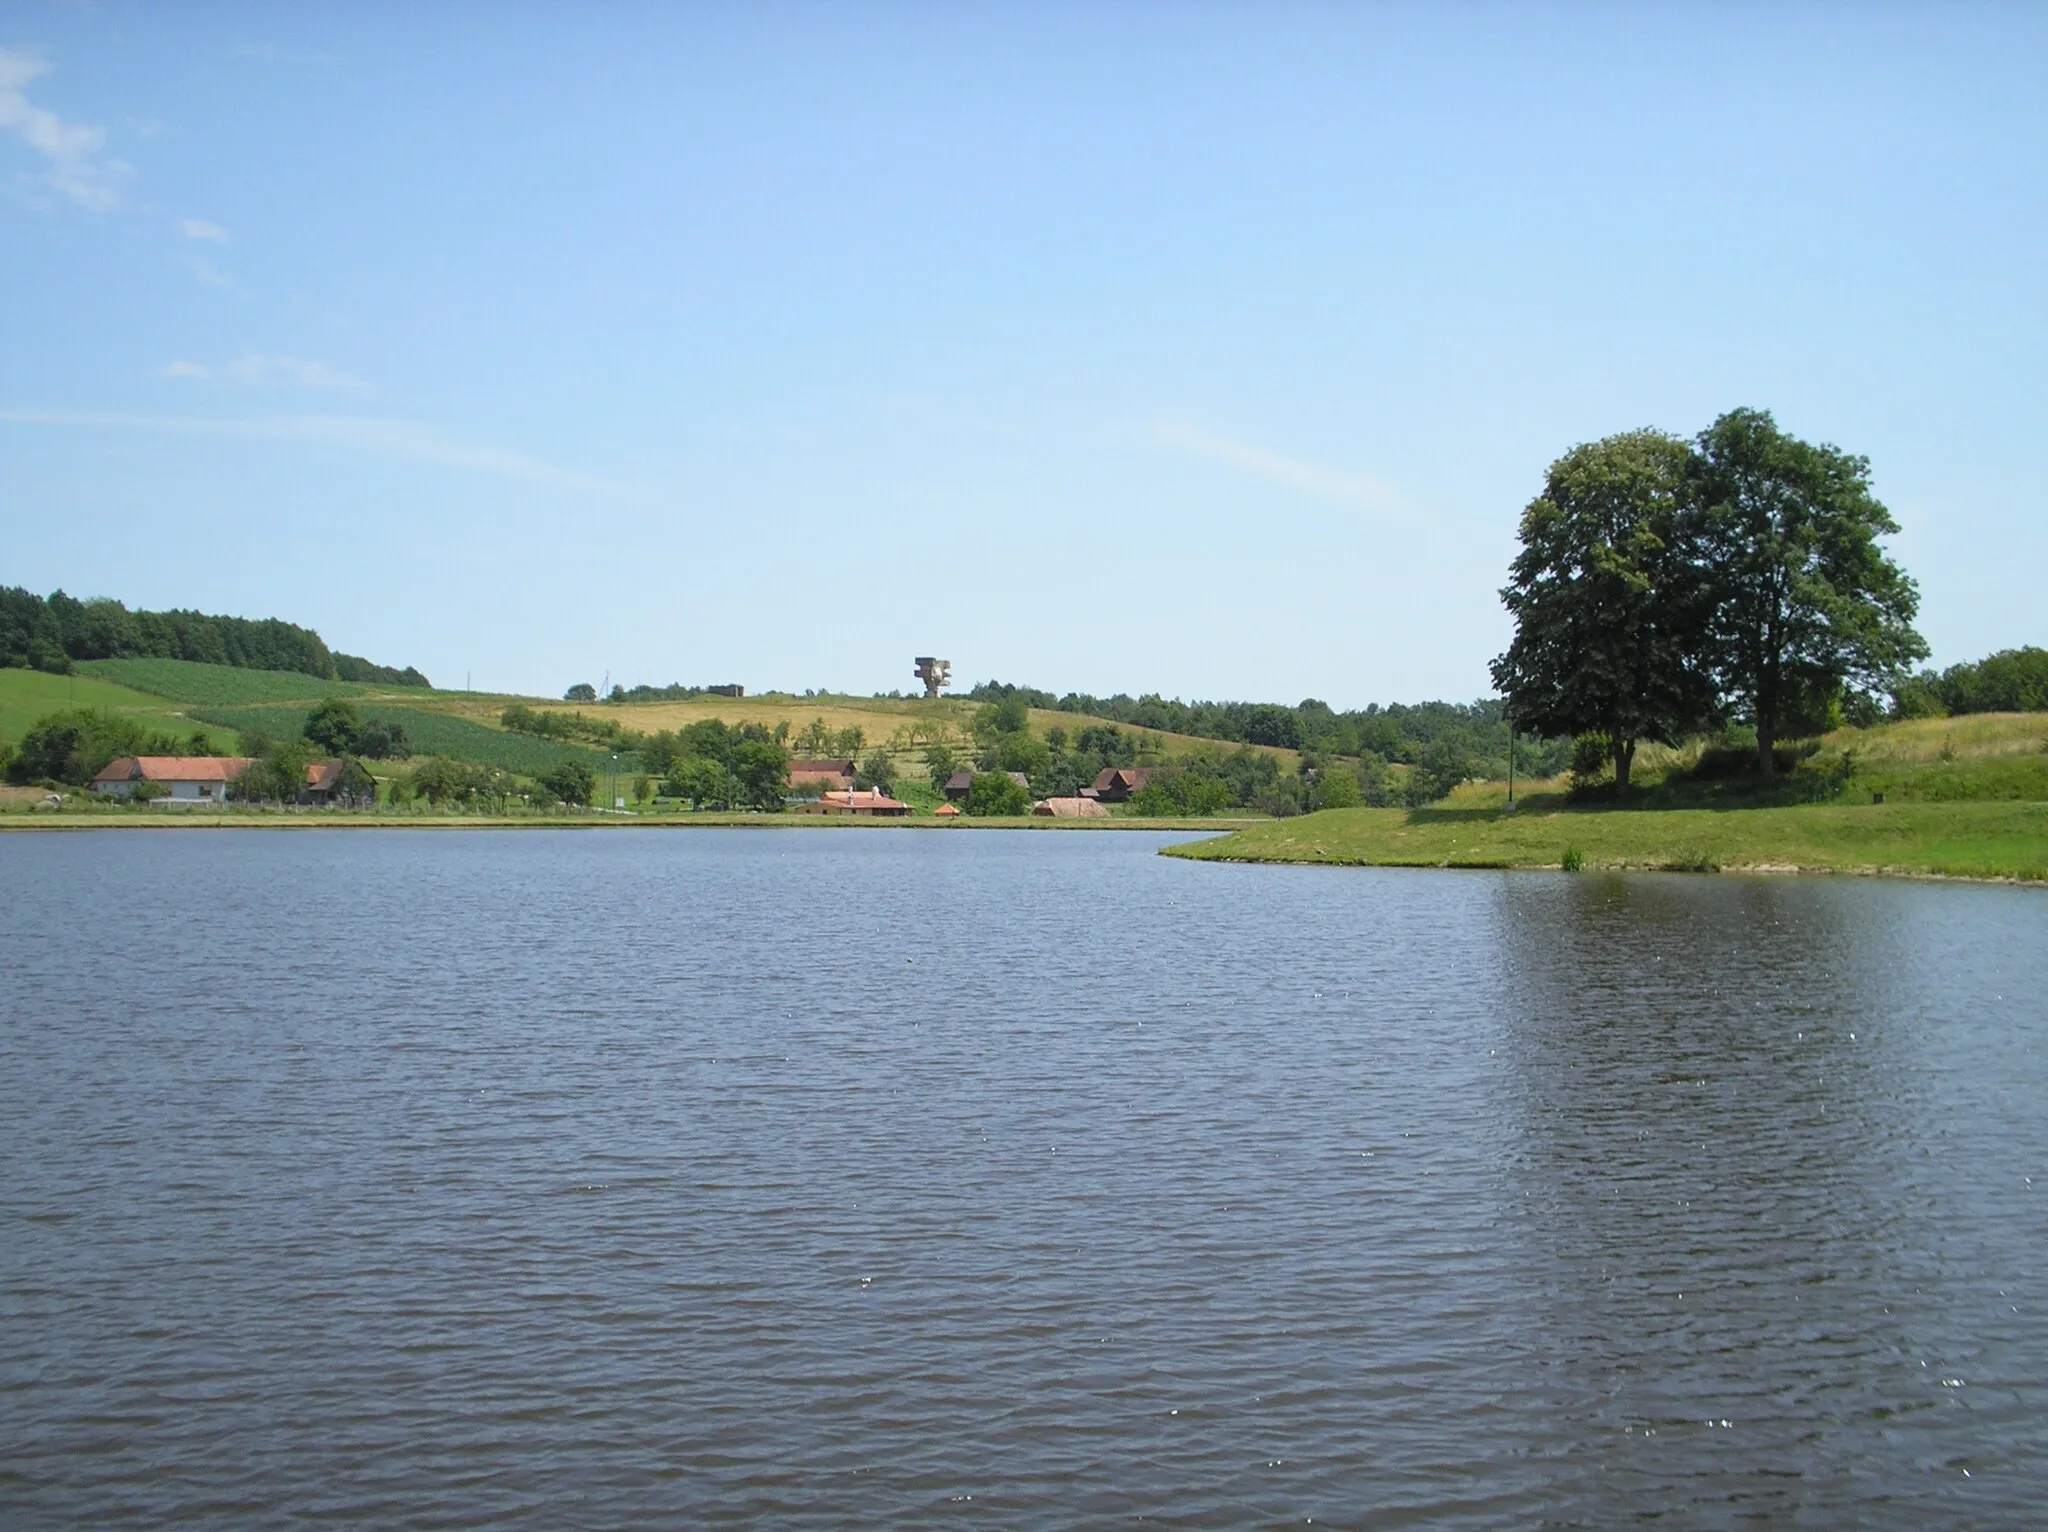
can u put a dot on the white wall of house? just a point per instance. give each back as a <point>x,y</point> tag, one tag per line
<point>196,792</point>
<point>181,792</point>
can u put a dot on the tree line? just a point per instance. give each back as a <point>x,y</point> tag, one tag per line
<point>49,633</point>
<point>2010,681</point>
<point>1397,732</point>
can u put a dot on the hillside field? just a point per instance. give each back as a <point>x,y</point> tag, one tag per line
<point>226,685</point>
<point>27,695</point>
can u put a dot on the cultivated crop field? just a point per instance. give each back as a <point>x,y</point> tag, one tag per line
<point>226,685</point>
<point>428,733</point>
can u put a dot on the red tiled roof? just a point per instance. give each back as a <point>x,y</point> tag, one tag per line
<point>852,802</point>
<point>174,768</point>
<point>826,768</point>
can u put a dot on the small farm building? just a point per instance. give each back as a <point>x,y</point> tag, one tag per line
<point>1116,784</point>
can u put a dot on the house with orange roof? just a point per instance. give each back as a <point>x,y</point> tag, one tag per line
<point>876,805</point>
<point>189,778</point>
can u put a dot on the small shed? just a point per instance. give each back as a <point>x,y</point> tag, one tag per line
<point>946,811</point>
<point>1116,784</point>
<point>959,785</point>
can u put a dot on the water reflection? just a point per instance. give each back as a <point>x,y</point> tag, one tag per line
<point>1723,1113</point>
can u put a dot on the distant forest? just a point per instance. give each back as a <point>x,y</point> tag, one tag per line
<point>1398,732</point>
<point>48,634</point>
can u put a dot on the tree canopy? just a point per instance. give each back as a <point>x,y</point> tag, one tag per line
<point>1605,602</point>
<point>1802,602</point>
<point>48,634</point>
<point>1662,585</point>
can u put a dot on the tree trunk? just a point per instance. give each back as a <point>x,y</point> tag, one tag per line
<point>1766,739</point>
<point>1624,754</point>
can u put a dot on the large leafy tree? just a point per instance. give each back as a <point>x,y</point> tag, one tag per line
<point>1606,607</point>
<point>1801,599</point>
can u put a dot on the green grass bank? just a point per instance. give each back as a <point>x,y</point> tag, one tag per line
<point>1969,839</point>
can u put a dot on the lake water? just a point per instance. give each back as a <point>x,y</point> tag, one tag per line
<point>560,1179</point>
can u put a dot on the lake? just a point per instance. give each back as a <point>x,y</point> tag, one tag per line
<point>565,1179</point>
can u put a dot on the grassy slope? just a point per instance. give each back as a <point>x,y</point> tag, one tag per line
<point>1963,796</point>
<point>27,695</point>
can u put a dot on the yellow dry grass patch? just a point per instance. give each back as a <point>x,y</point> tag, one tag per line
<point>1925,739</point>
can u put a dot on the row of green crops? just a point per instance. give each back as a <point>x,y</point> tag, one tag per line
<point>224,685</point>
<point>427,733</point>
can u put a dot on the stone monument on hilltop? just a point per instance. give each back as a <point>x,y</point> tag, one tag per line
<point>934,674</point>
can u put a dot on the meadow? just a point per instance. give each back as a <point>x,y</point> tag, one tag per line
<point>27,695</point>
<point>1964,797</point>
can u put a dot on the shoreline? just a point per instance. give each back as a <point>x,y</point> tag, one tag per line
<point>1974,841</point>
<point>178,819</point>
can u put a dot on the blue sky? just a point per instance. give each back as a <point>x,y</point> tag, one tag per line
<point>1207,348</point>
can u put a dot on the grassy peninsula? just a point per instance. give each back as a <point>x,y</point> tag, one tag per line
<point>1948,797</point>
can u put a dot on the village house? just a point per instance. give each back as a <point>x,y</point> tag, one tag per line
<point>204,779</point>
<point>186,778</point>
<point>821,774</point>
<point>330,784</point>
<point>1116,784</point>
<point>876,805</point>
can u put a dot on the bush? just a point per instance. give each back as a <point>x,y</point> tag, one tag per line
<point>705,784</point>
<point>995,793</point>
<point>570,782</point>
<point>1591,757</point>
<point>1175,792</point>
<point>1334,788</point>
<point>877,773</point>
<point>74,746</point>
<point>458,784</point>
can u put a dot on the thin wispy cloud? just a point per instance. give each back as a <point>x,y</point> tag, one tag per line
<point>199,228</point>
<point>382,438</point>
<point>291,370</point>
<point>1277,468</point>
<point>265,372</point>
<point>71,151</point>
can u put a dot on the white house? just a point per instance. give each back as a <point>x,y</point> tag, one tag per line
<point>190,778</point>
